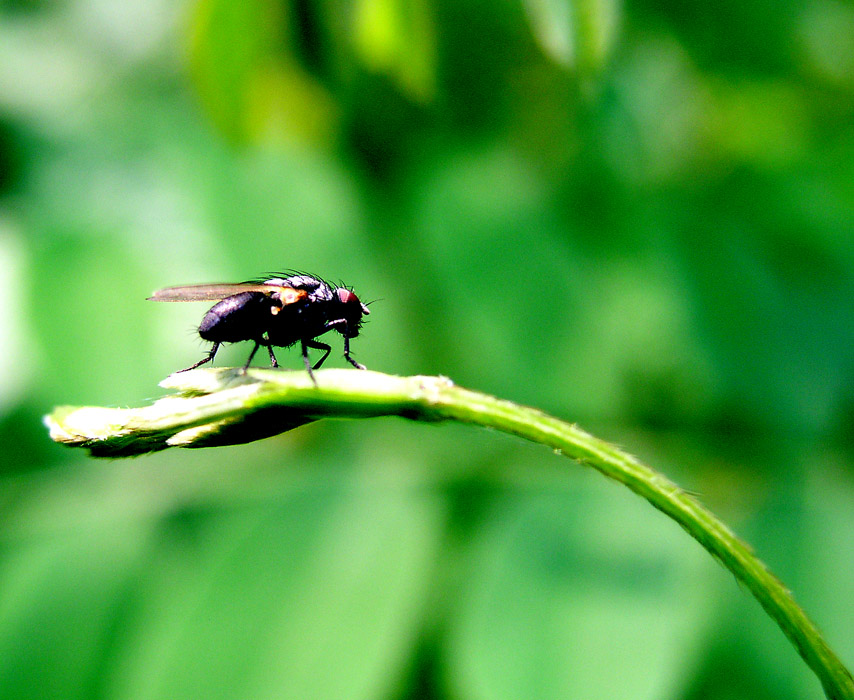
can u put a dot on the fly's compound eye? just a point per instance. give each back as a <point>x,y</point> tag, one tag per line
<point>345,296</point>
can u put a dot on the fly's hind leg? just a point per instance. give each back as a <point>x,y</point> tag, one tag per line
<point>204,360</point>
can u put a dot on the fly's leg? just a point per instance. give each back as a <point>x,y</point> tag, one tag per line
<point>273,361</point>
<point>307,362</point>
<point>347,354</point>
<point>251,355</point>
<point>204,360</point>
<point>306,344</point>
<point>340,325</point>
<point>319,346</point>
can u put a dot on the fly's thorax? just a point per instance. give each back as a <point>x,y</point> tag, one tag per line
<point>303,320</point>
<point>317,290</point>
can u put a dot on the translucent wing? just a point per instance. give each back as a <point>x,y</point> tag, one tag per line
<point>216,292</point>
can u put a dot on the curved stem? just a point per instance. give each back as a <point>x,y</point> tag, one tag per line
<point>225,406</point>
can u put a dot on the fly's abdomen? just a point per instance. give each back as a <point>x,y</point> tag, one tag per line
<point>243,316</point>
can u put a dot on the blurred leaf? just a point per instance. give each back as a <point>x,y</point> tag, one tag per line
<point>96,278</point>
<point>578,34</point>
<point>14,334</point>
<point>396,37</point>
<point>318,597</point>
<point>804,529</point>
<point>251,88</point>
<point>230,40</point>
<point>784,357</point>
<point>827,568</point>
<point>752,37</point>
<point>61,598</point>
<point>314,592</point>
<point>654,130</point>
<point>579,595</point>
<point>760,122</point>
<point>825,30</point>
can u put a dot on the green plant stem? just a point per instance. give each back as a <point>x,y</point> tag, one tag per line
<point>225,406</point>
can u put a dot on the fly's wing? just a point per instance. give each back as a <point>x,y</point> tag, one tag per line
<point>217,292</point>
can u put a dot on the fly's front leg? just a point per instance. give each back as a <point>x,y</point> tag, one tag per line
<point>347,355</point>
<point>341,326</point>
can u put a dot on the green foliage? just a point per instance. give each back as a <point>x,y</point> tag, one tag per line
<point>635,216</point>
<point>218,407</point>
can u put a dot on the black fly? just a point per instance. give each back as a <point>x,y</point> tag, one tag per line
<point>276,311</point>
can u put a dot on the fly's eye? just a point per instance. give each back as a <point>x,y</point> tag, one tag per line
<point>345,296</point>
<point>348,298</point>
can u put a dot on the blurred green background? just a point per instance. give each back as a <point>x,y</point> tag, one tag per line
<point>637,216</point>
